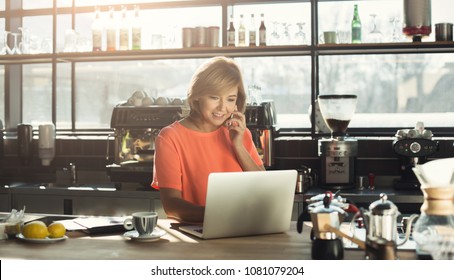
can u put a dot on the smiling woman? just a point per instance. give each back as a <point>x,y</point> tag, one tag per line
<point>213,138</point>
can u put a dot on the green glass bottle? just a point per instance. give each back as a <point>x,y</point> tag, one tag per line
<point>356,27</point>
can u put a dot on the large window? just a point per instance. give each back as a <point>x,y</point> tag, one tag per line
<point>102,85</point>
<point>394,90</point>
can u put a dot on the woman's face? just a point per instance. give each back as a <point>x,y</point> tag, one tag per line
<point>215,108</point>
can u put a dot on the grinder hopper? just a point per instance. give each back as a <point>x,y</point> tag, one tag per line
<point>337,110</point>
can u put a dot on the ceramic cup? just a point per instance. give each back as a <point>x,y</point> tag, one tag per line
<point>143,222</point>
<point>329,37</point>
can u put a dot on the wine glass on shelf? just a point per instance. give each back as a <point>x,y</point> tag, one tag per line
<point>374,36</point>
<point>15,49</point>
<point>300,36</point>
<point>24,46</point>
<point>286,39</point>
<point>4,43</point>
<point>274,40</point>
<point>396,35</point>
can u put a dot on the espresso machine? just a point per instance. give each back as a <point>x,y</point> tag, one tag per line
<point>261,121</point>
<point>413,146</point>
<point>338,153</point>
<point>135,130</point>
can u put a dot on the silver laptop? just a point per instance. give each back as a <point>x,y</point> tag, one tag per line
<point>247,203</point>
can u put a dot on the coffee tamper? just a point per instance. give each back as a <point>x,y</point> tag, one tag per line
<point>371,181</point>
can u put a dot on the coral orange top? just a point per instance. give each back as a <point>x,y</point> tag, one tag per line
<point>184,158</point>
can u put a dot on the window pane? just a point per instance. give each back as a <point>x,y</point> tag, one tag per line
<point>394,90</point>
<point>101,86</point>
<point>63,26</point>
<point>286,24</point>
<point>115,2</point>
<point>40,30</point>
<point>63,96</point>
<point>286,81</point>
<point>37,93</point>
<point>64,3</point>
<point>337,16</point>
<point>160,27</point>
<point>37,4</point>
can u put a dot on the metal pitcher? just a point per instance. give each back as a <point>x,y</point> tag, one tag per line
<point>306,179</point>
<point>381,221</point>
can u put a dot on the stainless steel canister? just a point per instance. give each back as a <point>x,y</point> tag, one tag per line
<point>188,37</point>
<point>25,142</point>
<point>443,32</point>
<point>213,36</point>
<point>201,33</point>
<point>417,18</point>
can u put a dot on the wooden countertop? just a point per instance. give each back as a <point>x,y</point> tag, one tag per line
<point>174,245</point>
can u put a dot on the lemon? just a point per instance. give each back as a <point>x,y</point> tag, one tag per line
<point>35,229</point>
<point>56,230</point>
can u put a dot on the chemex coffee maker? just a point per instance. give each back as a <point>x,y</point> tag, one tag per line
<point>413,146</point>
<point>338,152</point>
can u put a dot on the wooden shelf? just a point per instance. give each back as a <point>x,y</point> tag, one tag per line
<point>187,53</point>
<point>386,48</point>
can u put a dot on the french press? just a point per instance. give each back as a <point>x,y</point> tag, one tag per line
<point>381,228</point>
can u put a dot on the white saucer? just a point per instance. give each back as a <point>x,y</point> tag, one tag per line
<point>41,240</point>
<point>155,235</point>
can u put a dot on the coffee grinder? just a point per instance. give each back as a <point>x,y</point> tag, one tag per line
<point>338,152</point>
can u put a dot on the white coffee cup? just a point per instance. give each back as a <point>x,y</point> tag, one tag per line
<point>143,222</point>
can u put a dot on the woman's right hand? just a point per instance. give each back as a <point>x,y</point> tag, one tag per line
<point>176,207</point>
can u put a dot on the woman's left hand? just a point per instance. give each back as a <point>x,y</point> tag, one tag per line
<point>236,125</point>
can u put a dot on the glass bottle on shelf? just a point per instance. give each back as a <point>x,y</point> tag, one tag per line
<point>111,31</point>
<point>356,26</point>
<point>231,33</point>
<point>262,31</point>
<point>252,32</point>
<point>136,30</point>
<point>241,33</point>
<point>124,30</point>
<point>96,31</point>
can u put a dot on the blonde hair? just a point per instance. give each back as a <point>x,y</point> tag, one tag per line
<point>216,74</point>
